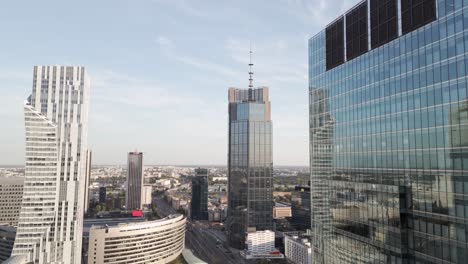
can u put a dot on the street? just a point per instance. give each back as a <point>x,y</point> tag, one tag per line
<point>206,242</point>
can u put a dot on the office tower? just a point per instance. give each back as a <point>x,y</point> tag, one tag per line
<point>199,203</point>
<point>389,134</point>
<point>300,208</point>
<point>11,195</point>
<point>87,178</point>
<point>134,181</point>
<point>250,163</point>
<point>102,194</point>
<point>56,121</point>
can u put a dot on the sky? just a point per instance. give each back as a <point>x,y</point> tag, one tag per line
<point>161,69</point>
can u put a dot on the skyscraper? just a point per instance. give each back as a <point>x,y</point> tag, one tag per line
<point>56,120</point>
<point>389,134</point>
<point>250,163</point>
<point>199,203</point>
<point>133,199</point>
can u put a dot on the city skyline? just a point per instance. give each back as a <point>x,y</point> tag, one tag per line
<point>152,59</point>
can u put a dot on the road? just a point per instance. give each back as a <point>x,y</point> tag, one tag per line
<point>206,242</point>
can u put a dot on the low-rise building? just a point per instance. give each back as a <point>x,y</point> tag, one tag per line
<point>297,248</point>
<point>159,241</point>
<point>261,245</point>
<point>281,211</point>
<point>11,196</point>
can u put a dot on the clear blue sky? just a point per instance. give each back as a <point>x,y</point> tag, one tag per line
<point>160,71</point>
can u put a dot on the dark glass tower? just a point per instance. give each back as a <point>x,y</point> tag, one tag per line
<point>134,181</point>
<point>102,194</point>
<point>300,208</point>
<point>389,133</point>
<point>199,203</point>
<point>250,164</point>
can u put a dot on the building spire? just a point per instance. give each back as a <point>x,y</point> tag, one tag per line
<point>250,68</point>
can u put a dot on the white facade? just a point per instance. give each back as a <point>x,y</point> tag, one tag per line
<point>11,195</point>
<point>56,122</point>
<point>159,241</point>
<point>298,249</point>
<point>146,195</point>
<point>260,242</point>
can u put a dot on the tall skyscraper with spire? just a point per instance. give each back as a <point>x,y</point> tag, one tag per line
<point>250,162</point>
<point>56,121</point>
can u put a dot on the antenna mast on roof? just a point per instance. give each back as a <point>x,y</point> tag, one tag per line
<point>250,68</point>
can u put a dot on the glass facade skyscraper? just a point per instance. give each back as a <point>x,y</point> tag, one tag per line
<point>199,202</point>
<point>389,134</point>
<point>250,164</point>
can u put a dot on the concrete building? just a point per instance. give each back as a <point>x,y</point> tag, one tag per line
<point>164,241</point>
<point>56,125</point>
<point>250,163</point>
<point>146,195</point>
<point>11,195</point>
<point>134,190</point>
<point>7,239</point>
<point>199,202</point>
<point>298,249</point>
<point>281,211</point>
<point>261,245</point>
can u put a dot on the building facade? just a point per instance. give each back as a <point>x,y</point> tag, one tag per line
<point>281,211</point>
<point>389,134</point>
<point>147,195</point>
<point>102,194</point>
<point>56,121</point>
<point>133,193</point>
<point>11,196</point>
<point>298,249</point>
<point>300,208</point>
<point>7,239</point>
<point>199,202</point>
<point>261,245</point>
<point>250,164</point>
<point>163,241</point>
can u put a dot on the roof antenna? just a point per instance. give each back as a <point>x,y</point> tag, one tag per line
<point>250,68</point>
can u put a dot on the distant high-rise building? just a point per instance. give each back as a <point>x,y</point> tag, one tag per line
<point>199,203</point>
<point>11,196</point>
<point>300,208</point>
<point>389,134</point>
<point>133,199</point>
<point>102,194</point>
<point>250,163</point>
<point>87,180</point>
<point>56,119</point>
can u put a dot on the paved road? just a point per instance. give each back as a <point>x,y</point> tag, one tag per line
<point>205,242</point>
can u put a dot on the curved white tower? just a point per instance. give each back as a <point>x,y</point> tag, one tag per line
<point>56,120</point>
